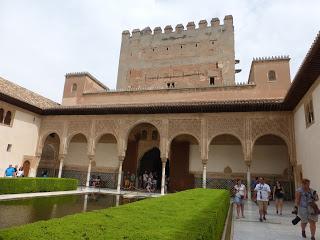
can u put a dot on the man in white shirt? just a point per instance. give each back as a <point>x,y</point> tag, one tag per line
<point>262,191</point>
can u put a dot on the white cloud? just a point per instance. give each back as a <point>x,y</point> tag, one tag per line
<point>41,40</point>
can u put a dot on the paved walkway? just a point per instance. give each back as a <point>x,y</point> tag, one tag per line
<point>82,190</point>
<point>275,228</point>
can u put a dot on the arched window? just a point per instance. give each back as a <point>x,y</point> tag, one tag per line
<point>272,75</point>
<point>7,119</point>
<point>74,87</point>
<point>1,115</point>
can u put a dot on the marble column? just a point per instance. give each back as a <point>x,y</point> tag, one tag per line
<point>163,177</point>
<point>61,160</point>
<point>204,173</point>
<point>121,158</point>
<point>248,180</point>
<point>89,169</point>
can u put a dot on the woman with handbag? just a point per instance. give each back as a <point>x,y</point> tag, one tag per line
<point>307,208</point>
<point>239,196</point>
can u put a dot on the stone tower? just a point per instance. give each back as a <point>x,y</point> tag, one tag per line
<point>180,58</point>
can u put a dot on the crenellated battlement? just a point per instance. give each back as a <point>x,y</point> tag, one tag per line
<point>179,28</point>
<point>271,58</point>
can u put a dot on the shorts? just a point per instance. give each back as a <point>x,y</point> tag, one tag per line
<point>262,204</point>
<point>306,214</point>
<point>238,200</point>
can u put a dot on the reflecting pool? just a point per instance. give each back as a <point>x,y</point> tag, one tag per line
<point>23,211</point>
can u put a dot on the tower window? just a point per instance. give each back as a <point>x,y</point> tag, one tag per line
<point>167,49</point>
<point>309,113</point>
<point>211,80</point>
<point>74,87</point>
<point>9,146</point>
<point>272,75</point>
<point>196,44</point>
<point>1,115</point>
<point>7,119</point>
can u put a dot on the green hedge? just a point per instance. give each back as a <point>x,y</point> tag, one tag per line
<point>27,185</point>
<point>192,214</point>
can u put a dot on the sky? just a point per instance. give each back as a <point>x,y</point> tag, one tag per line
<point>42,40</point>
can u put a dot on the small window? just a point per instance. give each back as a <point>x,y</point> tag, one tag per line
<point>1,115</point>
<point>144,135</point>
<point>167,49</point>
<point>74,87</point>
<point>181,46</point>
<point>211,80</point>
<point>7,119</point>
<point>172,85</point>
<point>9,146</point>
<point>271,75</point>
<point>168,85</point>
<point>308,111</point>
<point>196,44</point>
<point>154,135</point>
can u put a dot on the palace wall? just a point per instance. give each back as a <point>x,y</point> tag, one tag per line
<point>180,58</point>
<point>307,138</point>
<point>22,134</point>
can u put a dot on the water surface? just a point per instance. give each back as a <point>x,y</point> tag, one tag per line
<point>23,211</point>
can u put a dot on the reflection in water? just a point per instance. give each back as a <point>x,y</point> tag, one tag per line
<point>19,212</point>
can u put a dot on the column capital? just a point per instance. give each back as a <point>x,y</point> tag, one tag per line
<point>204,161</point>
<point>91,157</point>
<point>121,158</point>
<point>62,156</point>
<point>248,163</point>
<point>164,159</point>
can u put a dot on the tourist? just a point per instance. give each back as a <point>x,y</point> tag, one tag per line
<point>15,170</point>
<point>44,173</point>
<point>307,208</point>
<point>239,196</point>
<point>126,180</point>
<point>92,178</point>
<point>20,172</point>
<point>96,182</point>
<point>149,185</point>
<point>262,191</point>
<point>278,196</point>
<point>145,179</point>
<point>9,171</point>
<point>132,181</point>
<point>254,182</point>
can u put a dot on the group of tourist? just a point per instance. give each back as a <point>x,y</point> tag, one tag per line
<point>148,181</point>
<point>305,207</point>
<point>14,171</point>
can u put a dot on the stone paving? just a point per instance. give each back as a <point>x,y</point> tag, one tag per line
<point>275,228</point>
<point>80,190</point>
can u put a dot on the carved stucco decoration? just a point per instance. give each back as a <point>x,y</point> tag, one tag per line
<point>80,126</point>
<point>48,127</point>
<point>106,127</point>
<point>226,125</point>
<point>127,125</point>
<point>278,126</point>
<point>184,126</point>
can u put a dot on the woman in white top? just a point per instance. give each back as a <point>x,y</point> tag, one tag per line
<point>239,196</point>
<point>20,172</point>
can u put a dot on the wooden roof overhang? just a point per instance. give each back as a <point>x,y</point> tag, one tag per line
<point>198,107</point>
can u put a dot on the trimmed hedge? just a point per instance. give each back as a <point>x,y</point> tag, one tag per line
<point>28,185</point>
<point>192,214</point>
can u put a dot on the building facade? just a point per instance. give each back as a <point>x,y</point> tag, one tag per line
<point>177,111</point>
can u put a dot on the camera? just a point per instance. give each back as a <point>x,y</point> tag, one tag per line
<point>296,220</point>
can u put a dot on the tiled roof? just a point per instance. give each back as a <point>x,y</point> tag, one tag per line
<point>20,94</point>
